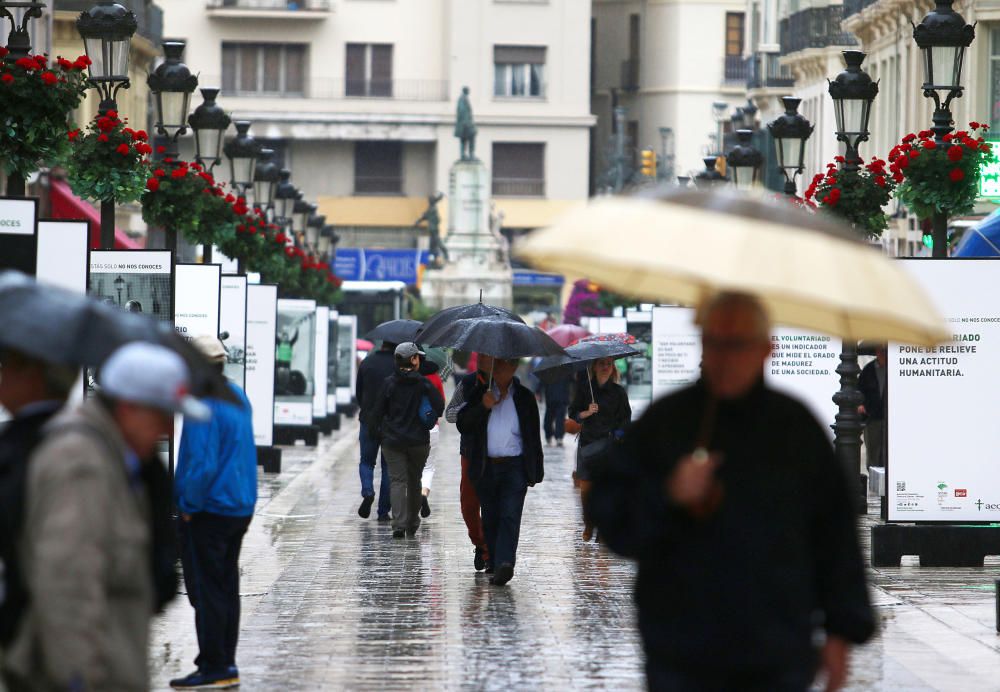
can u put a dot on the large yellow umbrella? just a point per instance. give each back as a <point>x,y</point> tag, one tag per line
<point>684,245</point>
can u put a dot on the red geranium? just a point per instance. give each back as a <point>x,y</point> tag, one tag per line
<point>956,175</point>
<point>49,78</point>
<point>930,144</point>
<point>7,78</point>
<point>954,153</point>
<point>178,173</point>
<point>102,138</point>
<point>153,184</point>
<point>122,149</point>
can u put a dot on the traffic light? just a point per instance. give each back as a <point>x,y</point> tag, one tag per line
<point>648,159</point>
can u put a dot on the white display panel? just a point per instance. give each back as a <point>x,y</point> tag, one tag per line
<point>262,318</point>
<point>803,364</point>
<point>676,358</point>
<point>942,402</point>
<point>295,362</point>
<point>332,338</point>
<point>347,358</point>
<point>62,254</point>
<point>320,362</point>
<point>233,327</point>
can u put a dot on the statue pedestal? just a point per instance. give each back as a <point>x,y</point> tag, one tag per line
<point>477,259</point>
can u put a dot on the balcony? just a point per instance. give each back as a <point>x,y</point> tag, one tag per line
<point>519,187</point>
<point>852,7</point>
<point>765,71</point>
<point>331,89</point>
<point>378,184</point>
<point>818,27</point>
<point>735,70</point>
<point>630,75</point>
<point>269,9</point>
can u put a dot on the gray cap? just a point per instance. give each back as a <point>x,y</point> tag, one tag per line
<point>151,375</point>
<point>408,349</point>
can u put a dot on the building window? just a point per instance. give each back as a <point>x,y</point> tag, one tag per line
<point>263,68</point>
<point>368,70</point>
<point>518,169</point>
<point>734,33</point>
<point>378,168</point>
<point>519,71</point>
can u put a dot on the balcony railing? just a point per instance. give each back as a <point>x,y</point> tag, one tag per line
<point>272,5</point>
<point>855,6</point>
<point>518,187</point>
<point>378,184</point>
<point>817,27</point>
<point>630,75</point>
<point>765,70</point>
<point>735,70</point>
<point>393,89</point>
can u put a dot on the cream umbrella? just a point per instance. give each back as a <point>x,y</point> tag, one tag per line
<point>684,245</point>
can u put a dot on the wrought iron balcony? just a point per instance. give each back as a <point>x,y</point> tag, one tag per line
<point>854,6</point>
<point>817,27</point>
<point>765,71</point>
<point>736,70</point>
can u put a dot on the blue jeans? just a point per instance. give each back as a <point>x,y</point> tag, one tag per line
<point>369,454</point>
<point>501,491</point>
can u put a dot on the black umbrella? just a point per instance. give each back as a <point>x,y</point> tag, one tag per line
<point>494,336</point>
<point>578,357</point>
<point>59,326</point>
<point>395,331</point>
<point>429,332</point>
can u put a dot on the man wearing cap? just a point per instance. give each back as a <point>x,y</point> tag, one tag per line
<point>86,542</point>
<point>371,374</point>
<point>405,433</point>
<point>215,489</point>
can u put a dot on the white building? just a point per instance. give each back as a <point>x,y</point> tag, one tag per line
<point>667,62</point>
<point>358,99</point>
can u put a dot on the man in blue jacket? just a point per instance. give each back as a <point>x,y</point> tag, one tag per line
<point>215,488</point>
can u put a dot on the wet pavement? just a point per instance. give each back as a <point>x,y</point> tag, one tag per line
<point>331,601</point>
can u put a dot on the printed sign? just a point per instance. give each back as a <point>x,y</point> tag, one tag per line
<point>803,364</point>
<point>347,358</point>
<point>676,349</point>
<point>18,224</point>
<point>62,254</point>
<point>262,319</point>
<point>295,362</point>
<point>332,335</point>
<point>233,327</point>
<point>363,264</point>
<point>322,345</point>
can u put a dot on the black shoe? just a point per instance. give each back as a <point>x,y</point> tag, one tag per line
<point>425,508</point>
<point>489,568</point>
<point>384,517</point>
<point>365,510</point>
<point>504,574</point>
<point>398,533</point>
<point>411,532</point>
<point>478,560</point>
<point>204,681</point>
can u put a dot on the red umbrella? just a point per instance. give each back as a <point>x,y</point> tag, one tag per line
<point>566,334</point>
<point>619,338</point>
<point>364,345</point>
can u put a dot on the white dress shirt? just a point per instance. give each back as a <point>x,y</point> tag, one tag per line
<point>503,431</point>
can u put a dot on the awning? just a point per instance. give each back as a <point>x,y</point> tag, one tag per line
<point>66,205</point>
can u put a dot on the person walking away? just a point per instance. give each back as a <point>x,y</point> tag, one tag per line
<point>372,372</point>
<point>404,433</point>
<point>602,422</point>
<point>430,369</point>
<point>86,541</point>
<point>469,500</point>
<point>556,395</point>
<point>505,459</point>
<point>215,490</point>
<point>729,496</point>
<point>872,384</point>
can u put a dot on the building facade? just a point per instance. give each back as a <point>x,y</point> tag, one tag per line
<point>358,99</point>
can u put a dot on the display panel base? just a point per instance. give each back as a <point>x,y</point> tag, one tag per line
<point>269,458</point>
<point>329,423</point>
<point>290,434</point>
<point>937,546</point>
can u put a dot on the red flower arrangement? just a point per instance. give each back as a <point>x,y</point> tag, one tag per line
<point>107,161</point>
<point>858,197</point>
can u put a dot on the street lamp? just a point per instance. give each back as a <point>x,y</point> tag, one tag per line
<point>300,216</point>
<point>710,177</point>
<point>265,179</point>
<point>209,122</point>
<point>852,92</point>
<point>107,29</point>
<point>327,241</point>
<point>790,132</point>
<point>242,152</point>
<point>943,36</point>
<point>719,115</point>
<point>314,227</point>
<point>750,115</point>
<point>285,195</point>
<point>119,283</point>
<point>20,12</point>
<point>172,84</point>
<point>745,161</point>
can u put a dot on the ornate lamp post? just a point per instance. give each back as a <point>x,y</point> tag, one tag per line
<point>790,132</point>
<point>709,177</point>
<point>750,115</point>
<point>852,92</point>
<point>943,36</point>
<point>300,217</point>
<point>285,195</point>
<point>745,161</point>
<point>328,239</point>
<point>19,13</point>
<point>209,123</point>
<point>107,29</point>
<point>314,227</point>
<point>172,85</point>
<point>265,180</point>
<point>242,152</point>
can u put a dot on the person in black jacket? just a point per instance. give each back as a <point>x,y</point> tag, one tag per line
<point>504,447</point>
<point>556,396</point>
<point>602,417</point>
<point>730,498</point>
<point>873,383</point>
<point>371,374</point>
<point>404,435</point>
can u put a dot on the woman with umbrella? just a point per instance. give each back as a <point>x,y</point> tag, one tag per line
<point>602,410</point>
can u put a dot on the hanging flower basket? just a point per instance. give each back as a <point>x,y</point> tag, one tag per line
<point>108,161</point>
<point>185,198</point>
<point>858,197</point>
<point>38,99</point>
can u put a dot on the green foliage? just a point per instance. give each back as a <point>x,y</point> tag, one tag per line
<point>858,197</point>
<point>37,99</point>
<point>108,161</point>
<point>186,199</point>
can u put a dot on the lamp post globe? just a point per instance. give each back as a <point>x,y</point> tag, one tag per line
<point>107,29</point>
<point>300,216</point>
<point>853,92</point>
<point>242,152</point>
<point>750,111</point>
<point>942,35</point>
<point>745,161</point>
<point>284,197</point>
<point>790,132</point>
<point>209,123</point>
<point>172,84</point>
<point>19,13</point>
<point>325,241</point>
<point>266,176</point>
<point>710,177</point>
<point>314,227</point>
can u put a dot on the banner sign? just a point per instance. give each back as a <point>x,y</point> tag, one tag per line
<point>233,327</point>
<point>364,264</point>
<point>676,357</point>
<point>196,310</point>
<point>347,358</point>
<point>18,225</point>
<point>322,345</point>
<point>62,254</point>
<point>295,362</point>
<point>803,364</point>
<point>943,402</point>
<point>262,320</point>
<point>530,278</point>
<point>332,335</point>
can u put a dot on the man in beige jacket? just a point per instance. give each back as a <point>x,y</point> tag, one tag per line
<point>86,542</point>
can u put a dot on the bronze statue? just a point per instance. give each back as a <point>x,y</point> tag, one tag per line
<point>465,126</point>
<point>438,252</point>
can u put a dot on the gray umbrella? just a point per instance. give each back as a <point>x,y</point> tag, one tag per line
<point>578,357</point>
<point>441,320</point>
<point>496,336</point>
<point>395,331</point>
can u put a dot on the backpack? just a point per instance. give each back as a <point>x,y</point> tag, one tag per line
<point>427,414</point>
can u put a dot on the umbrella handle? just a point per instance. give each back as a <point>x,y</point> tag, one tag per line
<point>591,385</point>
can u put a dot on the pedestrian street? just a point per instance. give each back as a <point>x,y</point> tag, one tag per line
<point>331,601</point>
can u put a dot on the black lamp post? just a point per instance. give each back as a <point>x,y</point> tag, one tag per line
<point>750,115</point>
<point>790,132</point>
<point>265,180</point>
<point>242,152</point>
<point>709,177</point>
<point>314,227</point>
<point>19,13</point>
<point>107,29</point>
<point>745,161</point>
<point>209,123</point>
<point>119,283</point>
<point>300,217</point>
<point>172,85</point>
<point>852,92</point>
<point>943,36</point>
<point>285,195</point>
<point>328,239</point>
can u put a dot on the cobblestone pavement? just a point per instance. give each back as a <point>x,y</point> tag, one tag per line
<point>331,601</point>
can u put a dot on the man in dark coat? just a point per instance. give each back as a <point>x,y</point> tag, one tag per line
<point>872,384</point>
<point>729,496</point>
<point>371,374</point>
<point>505,458</point>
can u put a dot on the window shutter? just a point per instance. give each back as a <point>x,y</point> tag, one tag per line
<point>519,55</point>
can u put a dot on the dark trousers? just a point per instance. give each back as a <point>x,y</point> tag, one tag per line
<point>369,455</point>
<point>470,509</point>
<point>555,419</point>
<point>501,491</point>
<point>406,464</point>
<point>662,678</point>
<point>210,554</point>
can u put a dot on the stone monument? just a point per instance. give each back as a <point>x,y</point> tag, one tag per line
<point>474,259</point>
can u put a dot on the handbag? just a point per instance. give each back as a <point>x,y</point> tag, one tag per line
<point>595,454</point>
